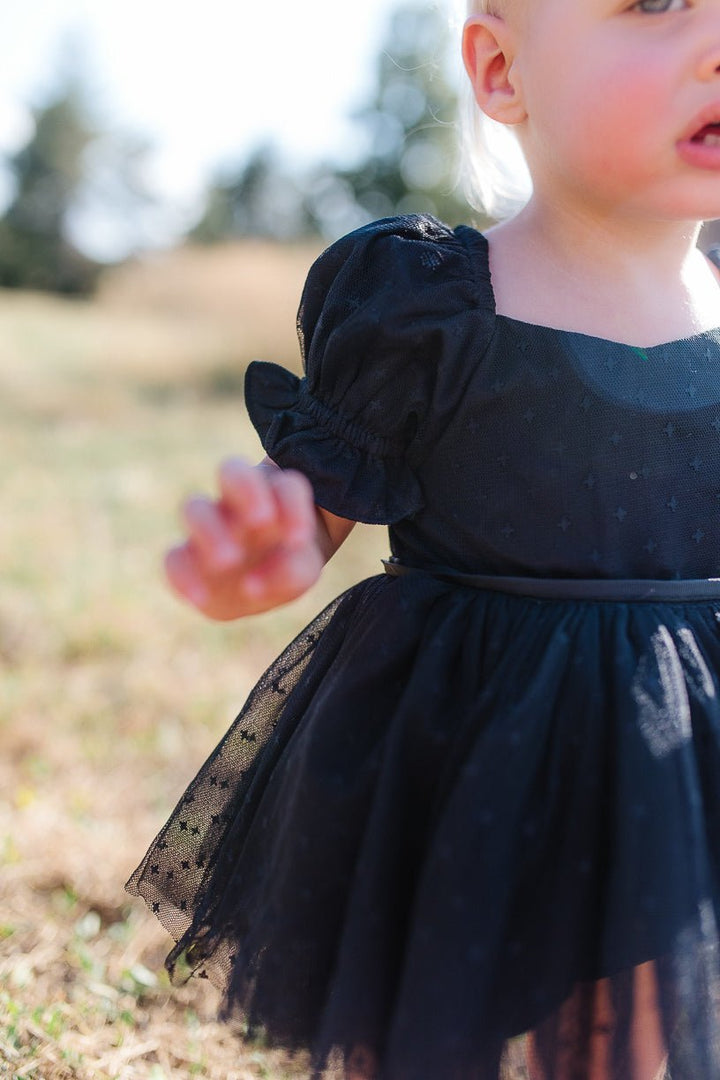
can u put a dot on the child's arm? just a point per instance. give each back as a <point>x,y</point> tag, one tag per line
<point>260,544</point>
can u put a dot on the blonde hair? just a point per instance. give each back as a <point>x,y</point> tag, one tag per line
<point>493,170</point>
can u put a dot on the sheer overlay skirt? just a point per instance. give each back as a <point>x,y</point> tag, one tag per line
<point>447,818</point>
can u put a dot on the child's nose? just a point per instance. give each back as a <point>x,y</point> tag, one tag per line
<point>709,69</point>
<point>709,65</point>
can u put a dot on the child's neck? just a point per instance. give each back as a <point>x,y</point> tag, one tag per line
<point>640,283</point>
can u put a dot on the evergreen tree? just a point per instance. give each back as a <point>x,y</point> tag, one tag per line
<point>409,125</point>
<point>48,172</point>
<point>262,200</point>
<point>407,137</point>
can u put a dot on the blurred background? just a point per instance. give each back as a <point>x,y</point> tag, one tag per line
<point>130,127</point>
<point>167,174</point>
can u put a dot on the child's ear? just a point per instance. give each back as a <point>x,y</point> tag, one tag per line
<point>488,49</point>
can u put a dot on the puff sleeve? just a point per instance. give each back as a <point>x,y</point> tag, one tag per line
<point>373,323</point>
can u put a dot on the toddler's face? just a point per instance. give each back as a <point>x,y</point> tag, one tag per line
<point>621,97</point>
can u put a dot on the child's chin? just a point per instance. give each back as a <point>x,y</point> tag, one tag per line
<point>700,203</point>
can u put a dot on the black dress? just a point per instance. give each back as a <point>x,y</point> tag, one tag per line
<point>465,794</point>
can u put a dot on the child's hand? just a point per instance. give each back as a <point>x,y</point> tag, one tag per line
<point>253,548</point>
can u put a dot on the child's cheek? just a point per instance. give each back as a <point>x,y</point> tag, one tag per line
<point>625,123</point>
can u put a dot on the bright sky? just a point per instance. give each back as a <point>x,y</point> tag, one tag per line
<point>203,81</point>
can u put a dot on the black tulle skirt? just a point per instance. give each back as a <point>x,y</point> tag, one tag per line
<point>447,818</point>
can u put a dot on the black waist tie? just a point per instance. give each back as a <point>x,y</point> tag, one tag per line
<point>623,589</point>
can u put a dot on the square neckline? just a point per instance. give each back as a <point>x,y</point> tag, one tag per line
<point>712,333</point>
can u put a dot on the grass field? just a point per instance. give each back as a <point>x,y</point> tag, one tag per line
<point>112,693</point>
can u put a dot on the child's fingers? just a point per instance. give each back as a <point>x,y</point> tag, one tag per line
<point>252,549</point>
<point>246,493</point>
<point>266,505</point>
<point>185,576</point>
<point>283,575</point>
<point>210,533</point>
<point>296,507</point>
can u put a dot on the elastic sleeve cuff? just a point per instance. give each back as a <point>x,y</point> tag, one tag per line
<point>355,474</point>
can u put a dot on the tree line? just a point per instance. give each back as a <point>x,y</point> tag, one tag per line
<point>406,129</point>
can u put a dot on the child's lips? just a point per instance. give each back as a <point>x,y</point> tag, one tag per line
<point>700,144</point>
<point>708,118</point>
<point>708,135</point>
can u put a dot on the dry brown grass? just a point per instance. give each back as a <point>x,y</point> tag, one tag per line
<point>111,693</point>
